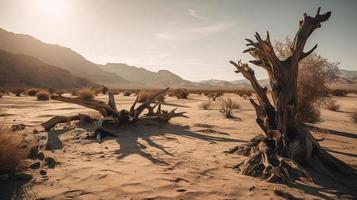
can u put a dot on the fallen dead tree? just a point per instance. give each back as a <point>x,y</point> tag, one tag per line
<point>111,115</point>
<point>288,148</point>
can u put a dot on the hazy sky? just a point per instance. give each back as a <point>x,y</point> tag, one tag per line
<point>194,39</point>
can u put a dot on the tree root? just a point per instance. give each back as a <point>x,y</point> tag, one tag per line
<point>264,162</point>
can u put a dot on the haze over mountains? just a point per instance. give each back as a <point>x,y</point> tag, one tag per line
<point>28,62</point>
<point>18,70</point>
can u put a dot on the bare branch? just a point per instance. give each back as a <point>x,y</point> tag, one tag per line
<point>307,26</point>
<point>100,106</point>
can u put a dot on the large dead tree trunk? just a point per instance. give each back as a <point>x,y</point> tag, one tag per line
<point>111,114</point>
<point>286,144</point>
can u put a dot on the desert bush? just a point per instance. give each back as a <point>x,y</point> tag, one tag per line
<point>314,74</point>
<point>59,92</point>
<point>115,91</point>
<point>17,92</point>
<point>147,94</point>
<point>43,95</point>
<point>143,96</point>
<point>331,105</point>
<point>74,92</point>
<point>104,90</point>
<point>214,95</point>
<point>32,91</point>
<point>12,152</point>
<point>86,94</point>
<point>204,105</point>
<point>51,91</point>
<point>354,117</point>
<point>181,93</point>
<point>227,106</point>
<point>244,93</point>
<point>126,92</point>
<point>339,92</point>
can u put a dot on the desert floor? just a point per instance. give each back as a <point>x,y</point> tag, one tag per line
<point>181,160</point>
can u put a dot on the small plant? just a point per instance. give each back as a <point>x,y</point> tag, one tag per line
<point>18,92</point>
<point>215,95</point>
<point>74,92</point>
<point>332,105</point>
<point>43,95</point>
<point>244,93</point>
<point>354,117</point>
<point>181,93</point>
<point>145,95</point>
<point>126,92</point>
<point>32,91</point>
<point>58,92</point>
<point>104,90</point>
<point>227,106</point>
<point>12,152</point>
<point>86,94</point>
<point>205,105</point>
<point>51,91</point>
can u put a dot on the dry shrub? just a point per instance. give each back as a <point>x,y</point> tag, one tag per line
<point>314,74</point>
<point>115,91</point>
<point>145,95</point>
<point>12,154</point>
<point>214,95</point>
<point>18,92</point>
<point>354,117</point>
<point>51,90</point>
<point>181,93</point>
<point>32,91</point>
<point>86,94</point>
<point>74,93</point>
<point>126,92</point>
<point>244,93</point>
<point>43,95</point>
<point>227,106</point>
<point>104,90</point>
<point>205,105</point>
<point>339,92</point>
<point>332,105</point>
<point>58,92</point>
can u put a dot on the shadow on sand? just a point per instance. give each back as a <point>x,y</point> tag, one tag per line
<point>129,136</point>
<point>333,132</point>
<point>13,190</point>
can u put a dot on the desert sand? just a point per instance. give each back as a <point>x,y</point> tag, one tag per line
<point>184,159</point>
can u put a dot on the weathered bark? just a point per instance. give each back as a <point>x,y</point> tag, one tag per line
<point>111,114</point>
<point>48,125</point>
<point>287,142</point>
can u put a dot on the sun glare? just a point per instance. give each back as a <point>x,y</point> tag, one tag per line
<point>51,8</point>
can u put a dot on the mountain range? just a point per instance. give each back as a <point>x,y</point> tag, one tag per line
<point>28,62</point>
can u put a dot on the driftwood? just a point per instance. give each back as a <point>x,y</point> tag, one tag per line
<point>48,125</point>
<point>110,112</point>
<point>287,144</point>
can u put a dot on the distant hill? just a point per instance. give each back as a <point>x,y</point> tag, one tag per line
<point>349,75</point>
<point>146,78</point>
<point>112,74</point>
<point>57,56</point>
<point>237,84</point>
<point>25,71</point>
